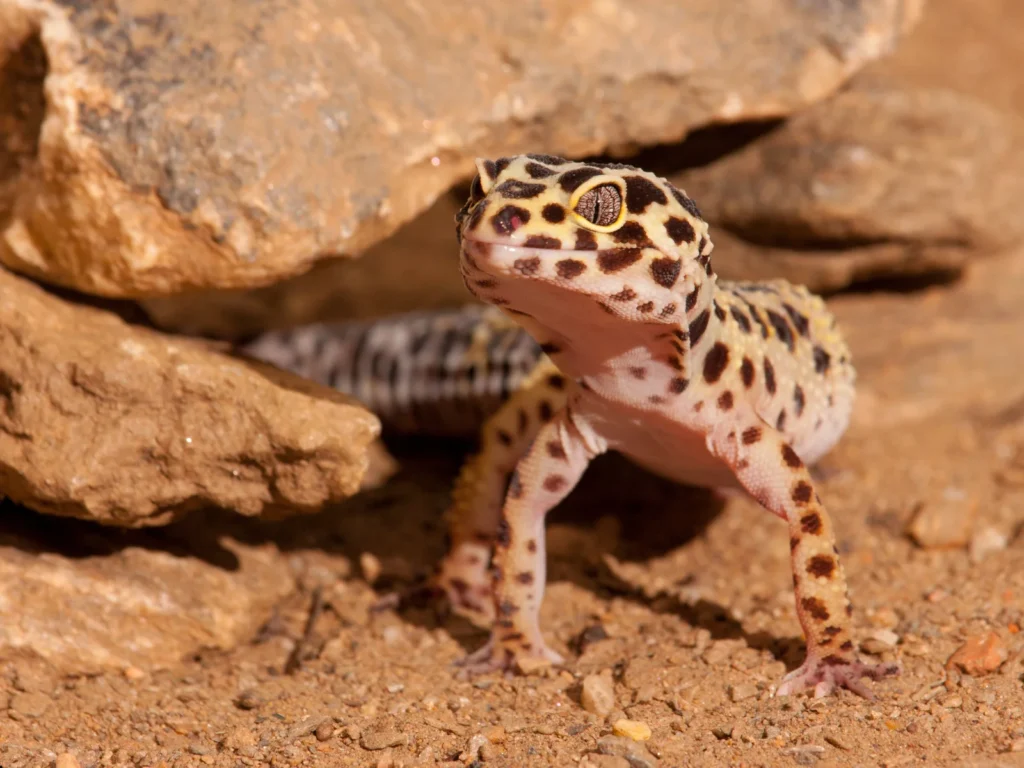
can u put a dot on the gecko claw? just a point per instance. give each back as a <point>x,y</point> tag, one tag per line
<point>825,677</point>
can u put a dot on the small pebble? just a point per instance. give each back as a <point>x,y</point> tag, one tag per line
<point>635,752</point>
<point>980,654</point>
<point>381,739</point>
<point>494,734</point>
<point>742,691</point>
<point>986,542</point>
<point>66,760</point>
<point>29,704</point>
<point>370,566</point>
<point>632,729</point>
<point>250,698</point>
<point>943,523</point>
<point>598,695</point>
<point>324,731</point>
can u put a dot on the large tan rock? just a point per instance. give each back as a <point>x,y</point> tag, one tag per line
<point>876,182</point>
<point>137,600</point>
<point>199,144</point>
<point>118,424</point>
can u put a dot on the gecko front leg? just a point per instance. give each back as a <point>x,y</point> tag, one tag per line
<point>772,472</point>
<point>543,477</point>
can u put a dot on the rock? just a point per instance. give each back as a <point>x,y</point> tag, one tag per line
<point>89,599</point>
<point>742,691</point>
<point>598,694</point>
<point>29,704</point>
<point>377,739</point>
<point>985,542</point>
<point>632,729</point>
<point>980,654</point>
<point>66,760</point>
<point>944,522</point>
<point>634,752</point>
<point>159,165</point>
<point>118,424</point>
<point>875,182</point>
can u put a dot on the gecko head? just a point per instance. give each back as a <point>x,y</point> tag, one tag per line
<point>542,234</point>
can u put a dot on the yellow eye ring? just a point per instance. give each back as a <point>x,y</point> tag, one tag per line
<point>599,204</point>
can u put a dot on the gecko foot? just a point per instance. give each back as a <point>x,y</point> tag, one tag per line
<point>832,672</point>
<point>496,657</point>
<point>446,595</point>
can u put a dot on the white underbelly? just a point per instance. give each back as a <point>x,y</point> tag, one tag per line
<point>660,446</point>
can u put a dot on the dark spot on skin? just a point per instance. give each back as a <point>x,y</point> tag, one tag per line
<point>491,169</point>
<point>545,411</point>
<point>794,542</point>
<point>512,637</point>
<point>550,348</point>
<point>747,372</point>
<point>821,566</point>
<point>798,399</point>
<point>811,523</point>
<point>798,319</point>
<point>742,464</point>
<point>504,437</point>
<point>833,661</point>
<point>647,306</point>
<point>500,165</point>
<point>498,301</point>
<point>503,535</point>
<point>555,450</point>
<point>504,623</point>
<point>667,311</point>
<point>553,213</point>
<point>680,334</point>
<point>678,385</point>
<point>707,269</point>
<point>715,362</point>
<point>680,230</point>
<point>822,360</point>
<point>525,578</point>
<point>509,219</point>
<point>531,546</point>
<point>549,159</point>
<point>847,646</point>
<point>632,232</point>
<point>615,259</point>
<point>638,373</point>
<point>688,205</point>
<point>665,271</point>
<point>780,423</point>
<point>698,406</point>
<point>751,435</point>
<point>656,399</point>
<point>476,214</point>
<point>554,483</point>
<point>519,190</point>
<point>691,298</point>
<point>741,320</point>
<point>782,329</point>
<point>790,457</point>
<point>542,241</point>
<point>725,401</point>
<point>528,266</point>
<point>567,269</point>
<point>769,376</point>
<point>698,326</point>
<point>556,381</point>
<point>833,631</point>
<point>538,171</point>
<point>675,362</point>
<point>719,312</point>
<point>606,308</point>
<point>849,610</point>
<point>626,294</point>
<point>524,421</point>
<point>486,283</point>
<point>641,192</point>
<point>585,240</point>
<point>507,608</point>
<point>570,180</point>
<point>815,607</point>
<point>757,319</point>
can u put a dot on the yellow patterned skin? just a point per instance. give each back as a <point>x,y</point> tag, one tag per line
<point>711,383</point>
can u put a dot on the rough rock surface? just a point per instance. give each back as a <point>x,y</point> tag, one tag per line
<point>198,144</point>
<point>874,182</point>
<point>88,600</point>
<point>118,424</point>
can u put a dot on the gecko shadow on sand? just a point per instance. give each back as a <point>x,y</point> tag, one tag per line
<point>401,524</point>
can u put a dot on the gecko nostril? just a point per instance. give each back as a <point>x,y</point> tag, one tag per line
<point>509,219</point>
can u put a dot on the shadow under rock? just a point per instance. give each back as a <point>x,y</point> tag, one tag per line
<point>401,522</point>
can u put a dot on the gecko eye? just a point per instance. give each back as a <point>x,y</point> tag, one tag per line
<point>598,205</point>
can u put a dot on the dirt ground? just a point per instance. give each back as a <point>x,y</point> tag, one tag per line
<point>678,601</point>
